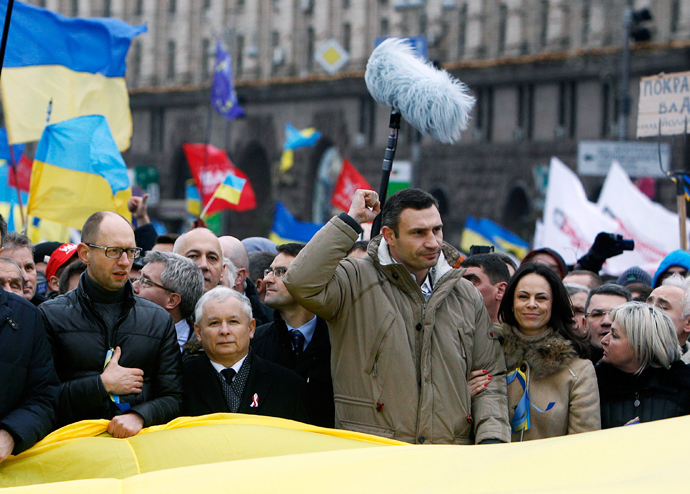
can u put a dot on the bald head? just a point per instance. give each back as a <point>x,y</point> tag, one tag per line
<point>237,253</point>
<point>202,246</point>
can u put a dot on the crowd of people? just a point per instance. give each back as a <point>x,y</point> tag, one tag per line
<point>402,336</point>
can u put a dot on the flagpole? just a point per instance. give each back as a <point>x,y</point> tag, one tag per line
<point>5,33</point>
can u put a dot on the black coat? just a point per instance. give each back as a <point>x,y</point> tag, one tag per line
<point>80,341</point>
<point>280,392</point>
<point>28,382</point>
<point>272,342</point>
<point>653,395</point>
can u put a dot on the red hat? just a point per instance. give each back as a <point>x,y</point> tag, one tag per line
<point>59,257</point>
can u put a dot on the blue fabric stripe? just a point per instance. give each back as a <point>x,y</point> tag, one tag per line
<point>286,226</point>
<point>40,37</point>
<point>84,144</point>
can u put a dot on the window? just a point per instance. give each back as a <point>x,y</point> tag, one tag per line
<point>675,15</point>
<point>567,115</point>
<point>606,109</point>
<point>74,8</point>
<point>310,48</point>
<point>384,29</point>
<point>347,36</point>
<point>462,29</point>
<point>106,8</point>
<point>139,9</point>
<point>171,60</point>
<point>502,27</point>
<point>205,58</point>
<point>544,36</point>
<point>586,10</point>
<point>525,112</point>
<point>172,6</point>
<point>346,4</point>
<point>207,4</point>
<point>135,62</point>
<point>239,58</point>
<point>485,109</point>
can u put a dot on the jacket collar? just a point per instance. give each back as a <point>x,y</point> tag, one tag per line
<point>83,297</point>
<point>379,251</point>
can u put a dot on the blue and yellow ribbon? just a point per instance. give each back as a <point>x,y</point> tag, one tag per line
<point>521,417</point>
<point>115,398</point>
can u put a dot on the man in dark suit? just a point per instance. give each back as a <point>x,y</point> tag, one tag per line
<point>297,339</point>
<point>227,377</point>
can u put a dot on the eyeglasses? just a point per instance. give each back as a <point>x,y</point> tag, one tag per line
<point>145,282</point>
<point>116,252</point>
<point>598,314</point>
<point>277,272</point>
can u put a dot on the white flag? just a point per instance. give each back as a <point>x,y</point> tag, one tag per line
<point>571,221</point>
<point>653,227</point>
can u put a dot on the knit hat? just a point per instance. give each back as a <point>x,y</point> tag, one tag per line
<point>43,250</point>
<point>61,255</point>
<point>562,266</point>
<point>634,275</point>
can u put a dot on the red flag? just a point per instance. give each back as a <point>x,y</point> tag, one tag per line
<point>347,184</point>
<point>23,174</point>
<point>208,178</point>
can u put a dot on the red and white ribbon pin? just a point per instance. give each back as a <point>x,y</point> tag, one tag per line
<point>255,401</point>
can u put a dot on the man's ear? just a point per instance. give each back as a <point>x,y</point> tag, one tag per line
<point>686,324</point>
<point>260,285</point>
<point>500,290</point>
<point>173,301</point>
<point>388,234</point>
<point>54,284</point>
<point>252,327</point>
<point>197,331</point>
<point>83,252</point>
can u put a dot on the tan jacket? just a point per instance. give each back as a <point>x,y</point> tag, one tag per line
<point>400,363</point>
<point>555,375</point>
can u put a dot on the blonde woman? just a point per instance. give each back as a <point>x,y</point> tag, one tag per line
<point>641,377</point>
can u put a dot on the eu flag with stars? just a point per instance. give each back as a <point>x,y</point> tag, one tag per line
<point>223,95</point>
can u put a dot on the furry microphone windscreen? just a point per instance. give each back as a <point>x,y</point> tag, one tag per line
<point>431,100</point>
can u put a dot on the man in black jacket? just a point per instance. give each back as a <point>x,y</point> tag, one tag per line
<point>227,377</point>
<point>28,383</point>
<point>297,339</point>
<point>116,354</point>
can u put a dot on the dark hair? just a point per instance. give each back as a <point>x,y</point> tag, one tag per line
<point>3,230</point>
<point>493,266</point>
<point>167,238</point>
<point>595,279</point>
<point>609,289</point>
<point>358,245</point>
<point>290,249</point>
<point>259,261</point>
<point>505,258</point>
<point>14,240</point>
<point>644,289</point>
<point>561,309</point>
<point>74,268</point>
<point>405,199</point>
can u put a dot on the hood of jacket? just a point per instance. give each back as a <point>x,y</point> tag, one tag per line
<point>546,354</point>
<point>676,258</point>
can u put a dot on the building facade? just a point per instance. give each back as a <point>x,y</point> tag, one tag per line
<point>546,74</point>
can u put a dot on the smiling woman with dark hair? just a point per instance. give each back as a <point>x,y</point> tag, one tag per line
<point>552,387</point>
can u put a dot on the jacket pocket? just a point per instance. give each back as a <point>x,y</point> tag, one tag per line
<point>360,415</point>
<point>367,429</point>
<point>371,365</point>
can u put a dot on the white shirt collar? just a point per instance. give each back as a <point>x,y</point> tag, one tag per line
<point>236,366</point>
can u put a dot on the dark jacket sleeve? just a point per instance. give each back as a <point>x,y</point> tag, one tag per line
<point>167,402</point>
<point>145,236</point>
<point>33,419</point>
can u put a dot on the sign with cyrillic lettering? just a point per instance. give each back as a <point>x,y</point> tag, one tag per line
<point>664,102</point>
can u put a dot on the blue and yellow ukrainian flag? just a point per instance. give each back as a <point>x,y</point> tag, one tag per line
<point>294,139</point>
<point>287,229</point>
<point>79,64</point>
<point>230,189</point>
<point>78,171</point>
<point>192,199</point>
<point>486,232</point>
